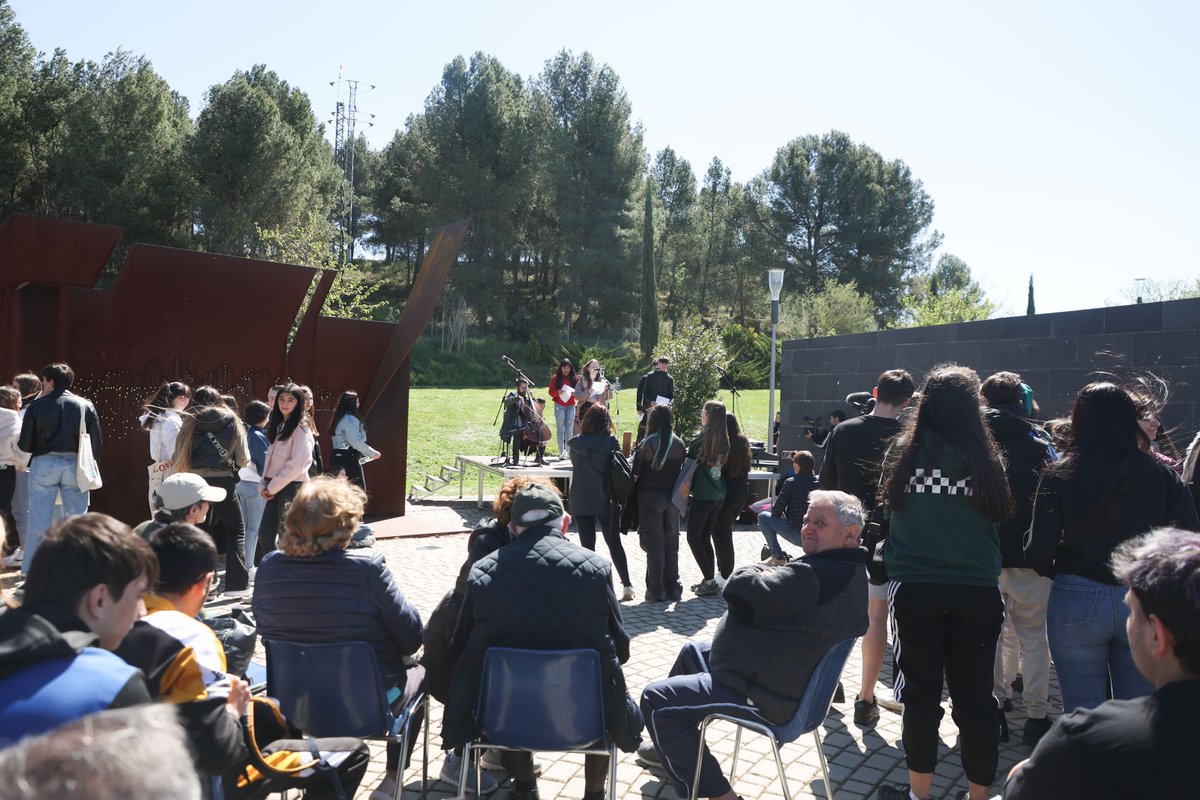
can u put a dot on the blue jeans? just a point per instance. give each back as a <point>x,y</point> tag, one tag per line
<point>564,423</point>
<point>773,528</point>
<point>252,504</point>
<point>20,506</point>
<point>1085,622</point>
<point>49,476</point>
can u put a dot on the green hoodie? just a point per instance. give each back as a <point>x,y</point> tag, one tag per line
<point>938,537</point>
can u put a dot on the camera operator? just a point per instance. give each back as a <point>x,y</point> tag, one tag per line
<point>820,437</point>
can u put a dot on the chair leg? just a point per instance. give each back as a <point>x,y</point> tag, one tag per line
<point>468,751</point>
<point>737,746</point>
<point>787,794</point>
<point>699,754</point>
<point>612,772</point>
<point>824,765</point>
<point>399,793</point>
<point>425,755</point>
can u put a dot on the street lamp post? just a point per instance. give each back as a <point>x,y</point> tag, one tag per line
<point>775,283</point>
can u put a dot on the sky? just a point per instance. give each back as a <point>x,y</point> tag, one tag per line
<point>1056,138</point>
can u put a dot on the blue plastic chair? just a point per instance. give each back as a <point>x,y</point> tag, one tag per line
<point>814,708</point>
<point>337,689</point>
<point>541,700</point>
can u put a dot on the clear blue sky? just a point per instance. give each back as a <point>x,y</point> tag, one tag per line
<point>1056,138</point>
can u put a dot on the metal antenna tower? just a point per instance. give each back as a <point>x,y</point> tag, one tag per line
<point>345,118</point>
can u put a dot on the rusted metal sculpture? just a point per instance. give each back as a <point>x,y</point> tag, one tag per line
<point>203,319</point>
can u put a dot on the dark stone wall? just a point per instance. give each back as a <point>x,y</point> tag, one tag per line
<point>1056,354</point>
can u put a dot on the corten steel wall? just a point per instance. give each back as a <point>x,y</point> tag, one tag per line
<point>203,319</point>
<point>1056,354</point>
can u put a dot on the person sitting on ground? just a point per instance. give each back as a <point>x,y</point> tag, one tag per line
<point>185,666</point>
<point>1143,747</point>
<point>82,595</point>
<point>489,536</point>
<point>779,623</point>
<point>786,516</point>
<point>313,591</point>
<point>541,591</point>
<point>183,497</point>
<point>93,757</point>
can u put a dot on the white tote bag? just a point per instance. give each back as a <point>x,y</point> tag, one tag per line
<point>87,471</point>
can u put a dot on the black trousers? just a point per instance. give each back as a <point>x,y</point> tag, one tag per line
<point>610,524</point>
<point>701,520</point>
<point>347,461</point>
<point>736,493</point>
<point>8,485</point>
<point>953,629</point>
<point>225,524</point>
<point>272,520</point>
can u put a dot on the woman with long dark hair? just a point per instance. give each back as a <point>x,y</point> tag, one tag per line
<point>656,467</point>
<point>212,444</point>
<point>317,467</point>
<point>590,389</point>
<point>349,441</point>
<point>289,457</point>
<point>1107,488</point>
<point>160,418</point>
<point>562,392</point>
<point>591,453</point>
<point>944,486</point>
<point>736,473</point>
<point>710,450</point>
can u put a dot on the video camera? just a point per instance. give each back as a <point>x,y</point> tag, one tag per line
<point>862,402</point>
<point>812,425</point>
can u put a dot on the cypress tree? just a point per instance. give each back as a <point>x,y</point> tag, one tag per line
<point>649,333</point>
<point>1029,307</point>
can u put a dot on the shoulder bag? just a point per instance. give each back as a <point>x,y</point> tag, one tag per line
<point>87,471</point>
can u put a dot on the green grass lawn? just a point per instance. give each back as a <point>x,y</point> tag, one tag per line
<point>443,423</point>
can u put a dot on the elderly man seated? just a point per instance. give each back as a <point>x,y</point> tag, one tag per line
<point>779,622</point>
<point>1142,747</point>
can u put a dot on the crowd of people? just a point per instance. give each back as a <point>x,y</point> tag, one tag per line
<point>948,515</point>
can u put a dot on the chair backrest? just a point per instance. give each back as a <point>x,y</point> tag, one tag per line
<point>548,700</point>
<point>818,694</point>
<point>328,689</point>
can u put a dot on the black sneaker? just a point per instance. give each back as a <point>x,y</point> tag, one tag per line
<point>1003,720</point>
<point>647,756</point>
<point>1018,684</point>
<point>1035,729</point>
<point>516,792</point>
<point>1008,706</point>
<point>866,713</point>
<point>764,554</point>
<point>708,588</point>
<point>897,792</point>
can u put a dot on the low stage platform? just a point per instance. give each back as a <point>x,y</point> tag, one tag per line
<point>494,465</point>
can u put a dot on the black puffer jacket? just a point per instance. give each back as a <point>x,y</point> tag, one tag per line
<point>488,537</point>
<point>1027,449</point>
<point>218,444</point>
<point>540,592</point>
<point>590,456</point>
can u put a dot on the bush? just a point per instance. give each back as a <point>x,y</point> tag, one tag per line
<point>695,353</point>
<point>749,356</point>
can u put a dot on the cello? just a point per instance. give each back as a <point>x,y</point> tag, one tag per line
<point>535,432</point>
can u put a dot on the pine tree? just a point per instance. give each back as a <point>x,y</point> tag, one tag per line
<point>649,337</point>
<point>1029,307</point>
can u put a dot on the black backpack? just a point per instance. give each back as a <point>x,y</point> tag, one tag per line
<point>620,477</point>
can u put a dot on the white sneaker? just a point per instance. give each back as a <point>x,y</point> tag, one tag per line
<point>627,595</point>
<point>236,594</point>
<point>452,766</point>
<point>885,699</point>
<point>17,557</point>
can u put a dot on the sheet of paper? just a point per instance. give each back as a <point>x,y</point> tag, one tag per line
<point>662,401</point>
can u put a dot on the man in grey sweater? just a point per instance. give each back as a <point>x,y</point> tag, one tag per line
<point>779,623</point>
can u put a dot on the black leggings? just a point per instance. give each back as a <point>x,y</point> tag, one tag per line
<point>609,526</point>
<point>272,520</point>
<point>701,518</point>
<point>225,524</point>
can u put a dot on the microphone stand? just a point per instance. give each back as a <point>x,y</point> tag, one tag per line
<point>727,380</point>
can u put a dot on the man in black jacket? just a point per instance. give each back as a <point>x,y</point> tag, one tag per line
<point>654,384</point>
<point>780,622</point>
<point>1027,449</point>
<point>50,434</point>
<point>541,591</point>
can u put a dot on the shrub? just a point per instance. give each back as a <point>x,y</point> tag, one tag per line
<point>695,353</point>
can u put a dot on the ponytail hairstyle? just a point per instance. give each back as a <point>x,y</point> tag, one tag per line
<point>714,447</point>
<point>280,427</point>
<point>162,401</point>
<point>347,406</point>
<point>949,412</point>
<point>206,396</point>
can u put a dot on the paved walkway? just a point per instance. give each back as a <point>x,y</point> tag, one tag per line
<point>860,759</point>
